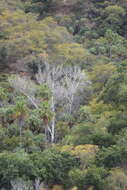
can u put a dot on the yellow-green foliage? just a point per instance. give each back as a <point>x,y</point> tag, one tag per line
<point>57,187</point>
<point>117,180</point>
<point>24,35</point>
<point>86,152</point>
<point>90,188</point>
<point>80,149</point>
<point>71,53</point>
<point>88,144</point>
<point>74,188</point>
<point>115,10</point>
<point>23,30</point>
<point>101,73</point>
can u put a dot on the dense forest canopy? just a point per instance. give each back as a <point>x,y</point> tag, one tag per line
<point>63,94</point>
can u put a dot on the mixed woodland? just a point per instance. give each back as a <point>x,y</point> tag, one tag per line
<point>63,94</point>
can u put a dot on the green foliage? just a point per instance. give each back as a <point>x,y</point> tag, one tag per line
<point>3,95</point>
<point>113,17</point>
<point>95,176</point>
<point>53,166</point>
<point>81,134</point>
<point>38,6</point>
<point>14,165</point>
<point>77,178</point>
<point>112,156</point>
<point>111,45</point>
<point>90,147</point>
<point>43,92</point>
<point>117,179</point>
<point>100,75</point>
<point>103,139</point>
<point>117,123</point>
<point>115,90</point>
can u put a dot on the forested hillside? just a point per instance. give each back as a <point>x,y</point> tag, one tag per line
<point>63,94</point>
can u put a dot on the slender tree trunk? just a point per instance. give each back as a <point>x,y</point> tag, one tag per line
<point>110,51</point>
<point>53,120</point>
<point>71,103</point>
<point>46,135</point>
<point>37,184</point>
<point>21,123</point>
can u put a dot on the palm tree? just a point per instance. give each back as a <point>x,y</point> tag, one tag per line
<point>20,112</point>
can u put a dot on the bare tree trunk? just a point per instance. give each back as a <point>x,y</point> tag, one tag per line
<point>20,184</point>
<point>21,123</point>
<point>46,135</point>
<point>71,103</point>
<point>64,84</point>
<point>53,121</point>
<point>110,51</point>
<point>37,184</point>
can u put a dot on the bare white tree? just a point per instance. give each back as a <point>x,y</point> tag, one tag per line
<point>26,87</point>
<point>74,81</point>
<point>64,83</point>
<point>51,76</point>
<point>20,184</point>
<point>38,185</point>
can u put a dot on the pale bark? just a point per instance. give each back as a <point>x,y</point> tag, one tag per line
<point>64,83</point>
<point>37,184</point>
<point>26,87</point>
<point>50,76</point>
<point>19,184</point>
<point>53,120</point>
